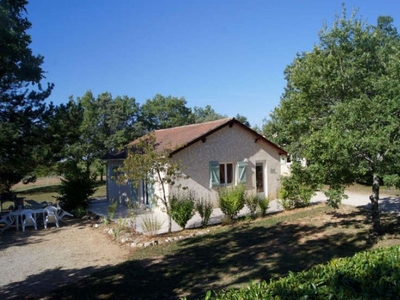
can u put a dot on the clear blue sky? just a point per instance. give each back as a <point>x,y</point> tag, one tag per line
<point>229,54</point>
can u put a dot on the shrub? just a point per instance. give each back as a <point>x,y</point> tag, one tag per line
<point>334,195</point>
<point>264,205</point>
<point>205,209</point>
<point>111,209</point>
<point>150,224</point>
<point>182,207</point>
<point>297,189</point>
<point>76,187</point>
<point>252,202</point>
<point>79,212</point>
<point>391,181</point>
<point>367,275</point>
<point>231,200</point>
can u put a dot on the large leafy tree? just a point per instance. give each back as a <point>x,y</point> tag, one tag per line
<point>341,106</point>
<point>165,112</point>
<point>23,111</point>
<point>205,114</point>
<point>105,124</point>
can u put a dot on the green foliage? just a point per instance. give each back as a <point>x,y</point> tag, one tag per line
<point>366,275</point>
<point>76,186</point>
<point>111,209</point>
<point>243,120</point>
<point>205,208</point>
<point>205,114</point>
<point>79,211</point>
<point>165,112</point>
<point>340,108</point>
<point>147,163</point>
<point>391,181</point>
<point>231,200</point>
<point>264,205</point>
<point>298,188</point>
<point>252,201</point>
<point>182,207</point>
<point>23,112</point>
<point>334,195</point>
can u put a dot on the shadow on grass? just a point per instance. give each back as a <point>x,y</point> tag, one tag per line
<point>228,258</point>
<point>39,190</point>
<point>53,188</point>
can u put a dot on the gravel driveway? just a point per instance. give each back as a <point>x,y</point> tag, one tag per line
<point>35,262</point>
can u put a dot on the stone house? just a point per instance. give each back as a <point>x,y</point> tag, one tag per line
<point>214,154</point>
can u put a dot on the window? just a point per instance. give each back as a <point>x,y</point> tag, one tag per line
<point>260,177</point>
<point>223,174</point>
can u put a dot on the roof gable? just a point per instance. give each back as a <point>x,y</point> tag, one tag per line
<point>178,138</point>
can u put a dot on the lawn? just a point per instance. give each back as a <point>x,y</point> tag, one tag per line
<point>233,255</point>
<point>46,189</point>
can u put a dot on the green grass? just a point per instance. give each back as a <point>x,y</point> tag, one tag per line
<point>46,189</point>
<point>232,256</point>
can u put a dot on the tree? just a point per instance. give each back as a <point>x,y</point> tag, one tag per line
<point>63,131</point>
<point>205,114</point>
<point>105,124</point>
<point>165,112</point>
<point>243,120</point>
<point>341,106</point>
<point>153,166</point>
<point>23,112</point>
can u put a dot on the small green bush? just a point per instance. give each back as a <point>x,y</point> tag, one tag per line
<point>79,212</point>
<point>76,186</point>
<point>252,203</point>
<point>334,196</point>
<point>367,275</point>
<point>231,200</point>
<point>264,205</point>
<point>297,189</point>
<point>182,207</point>
<point>205,208</point>
<point>111,209</point>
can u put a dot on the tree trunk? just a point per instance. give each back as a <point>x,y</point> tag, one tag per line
<point>169,218</point>
<point>375,205</point>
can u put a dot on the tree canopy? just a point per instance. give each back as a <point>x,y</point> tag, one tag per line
<point>341,106</point>
<point>165,112</point>
<point>23,112</point>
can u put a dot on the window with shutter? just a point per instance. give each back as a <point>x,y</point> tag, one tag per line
<point>214,174</point>
<point>241,167</point>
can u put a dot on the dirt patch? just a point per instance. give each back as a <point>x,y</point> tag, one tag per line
<point>35,262</point>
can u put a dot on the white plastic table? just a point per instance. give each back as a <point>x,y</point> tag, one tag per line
<point>19,212</point>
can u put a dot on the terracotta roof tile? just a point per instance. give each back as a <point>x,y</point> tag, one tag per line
<point>178,138</point>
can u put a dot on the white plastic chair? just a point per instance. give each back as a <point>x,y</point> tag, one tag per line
<point>7,219</point>
<point>51,216</point>
<point>62,213</point>
<point>28,219</point>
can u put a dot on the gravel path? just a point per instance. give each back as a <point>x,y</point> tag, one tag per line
<point>35,262</point>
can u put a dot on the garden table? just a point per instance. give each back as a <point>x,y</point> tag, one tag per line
<point>19,212</point>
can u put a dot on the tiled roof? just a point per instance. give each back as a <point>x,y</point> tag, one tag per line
<point>178,138</point>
